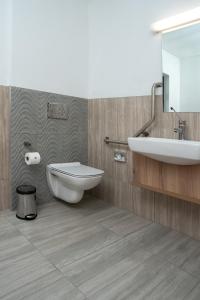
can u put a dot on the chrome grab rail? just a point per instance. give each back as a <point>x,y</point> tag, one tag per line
<point>141,131</point>
<point>108,141</point>
<point>153,97</point>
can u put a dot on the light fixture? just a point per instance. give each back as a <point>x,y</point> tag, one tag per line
<point>184,19</point>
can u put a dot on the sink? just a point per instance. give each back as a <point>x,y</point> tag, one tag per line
<point>178,152</point>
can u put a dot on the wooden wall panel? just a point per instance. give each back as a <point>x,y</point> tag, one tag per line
<point>4,147</point>
<point>119,118</point>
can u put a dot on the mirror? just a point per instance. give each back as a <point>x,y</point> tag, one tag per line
<point>181,69</point>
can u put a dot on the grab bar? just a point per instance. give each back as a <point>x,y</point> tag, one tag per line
<point>108,141</point>
<point>147,124</point>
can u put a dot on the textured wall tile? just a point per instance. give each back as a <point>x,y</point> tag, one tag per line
<point>56,140</point>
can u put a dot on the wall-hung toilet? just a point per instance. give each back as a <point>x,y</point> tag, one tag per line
<point>68,181</point>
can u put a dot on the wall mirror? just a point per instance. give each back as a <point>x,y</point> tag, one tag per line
<point>181,69</point>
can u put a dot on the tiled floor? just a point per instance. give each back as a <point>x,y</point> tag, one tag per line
<point>97,252</point>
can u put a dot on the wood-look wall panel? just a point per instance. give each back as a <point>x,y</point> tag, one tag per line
<point>4,194</point>
<point>4,147</point>
<point>119,118</point>
<point>178,214</point>
<point>144,208</point>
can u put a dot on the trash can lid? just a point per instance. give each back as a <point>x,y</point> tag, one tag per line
<point>26,189</point>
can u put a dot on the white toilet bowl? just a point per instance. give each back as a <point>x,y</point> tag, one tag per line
<point>68,181</point>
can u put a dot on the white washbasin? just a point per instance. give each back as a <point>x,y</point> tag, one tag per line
<point>178,152</point>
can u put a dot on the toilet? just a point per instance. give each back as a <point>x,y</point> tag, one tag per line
<point>68,181</point>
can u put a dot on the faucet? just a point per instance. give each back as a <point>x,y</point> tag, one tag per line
<point>181,126</point>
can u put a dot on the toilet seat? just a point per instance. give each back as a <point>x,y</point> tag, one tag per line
<point>76,170</point>
<point>68,181</point>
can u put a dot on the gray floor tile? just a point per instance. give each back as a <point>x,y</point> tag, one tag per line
<point>5,213</point>
<point>52,208</point>
<point>63,218</point>
<point>22,269</point>
<point>104,214</point>
<point>67,247</point>
<point>34,286</point>
<point>96,270</point>
<point>12,245</point>
<point>96,250</point>
<point>148,279</point>
<point>5,225</point>
<point>59,290</point>
<point>147,237</point>
<point>53,226</point>
<point>116,218</point>
<point>194,294</point>
<point>125,223</point>
<point>89,205</point>
<point>192,263</point>
<point>177,285</point>
<point>66,237</point>
<point>175,247</point>
<point>49,224</point>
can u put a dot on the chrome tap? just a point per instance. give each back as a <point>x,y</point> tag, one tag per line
<point>181,126</point>
<point>181,129</point>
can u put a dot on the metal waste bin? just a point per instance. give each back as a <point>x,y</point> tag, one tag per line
<point>26,204</point>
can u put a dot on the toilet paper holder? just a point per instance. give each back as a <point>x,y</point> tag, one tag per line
<point>27,144</point>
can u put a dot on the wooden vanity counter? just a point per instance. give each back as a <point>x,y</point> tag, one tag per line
<point>174,180</point>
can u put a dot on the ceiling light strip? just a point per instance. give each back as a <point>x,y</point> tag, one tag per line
<point>181,20</point>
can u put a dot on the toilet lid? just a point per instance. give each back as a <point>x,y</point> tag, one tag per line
<point>76,170</point>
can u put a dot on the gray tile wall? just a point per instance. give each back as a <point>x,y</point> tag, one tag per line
<point>56,140</point>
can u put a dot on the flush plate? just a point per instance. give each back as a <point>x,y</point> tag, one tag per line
<point>57,111</point>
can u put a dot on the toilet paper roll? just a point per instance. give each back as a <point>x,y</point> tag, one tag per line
<point>32,158</point>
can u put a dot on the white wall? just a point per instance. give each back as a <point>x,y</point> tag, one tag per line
<point>50,46</point>
<point>190,84</point>
<point>172,67</point>
<point>51,49</point>
<point>125,57</point>
<point>5,38</point>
